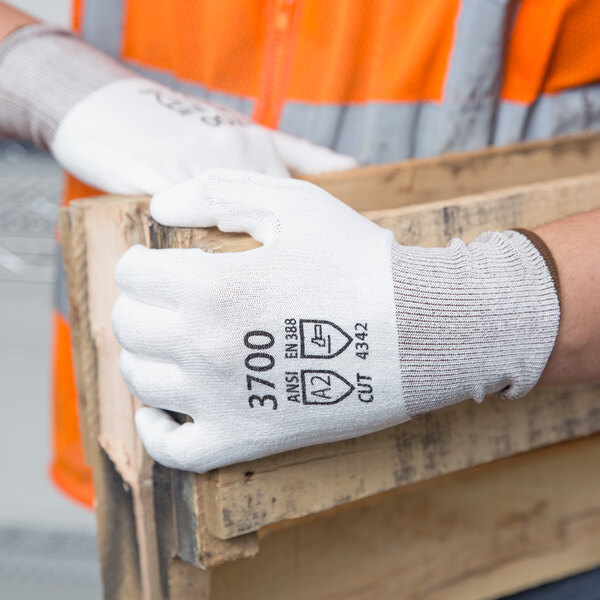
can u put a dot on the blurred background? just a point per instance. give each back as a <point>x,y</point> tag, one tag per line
<point>47,543</point>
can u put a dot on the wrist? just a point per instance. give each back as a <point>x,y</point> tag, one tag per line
<point>44,72</point>
<point>575,246</point>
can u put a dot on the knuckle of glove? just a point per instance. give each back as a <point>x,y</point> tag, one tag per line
<point>132,376</point>
<point>120,320</point>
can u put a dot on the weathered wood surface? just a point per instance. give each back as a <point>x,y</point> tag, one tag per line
<point>476,534</point>
<point>248,496</point>
<point>125,549</point>
<point>451,175</point>
<point>95,234</point>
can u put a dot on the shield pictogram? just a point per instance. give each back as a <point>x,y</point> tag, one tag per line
<point>322,339</point>
<point>324,387</point>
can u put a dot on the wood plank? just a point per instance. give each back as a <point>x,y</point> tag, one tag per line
<point>251,495</point>
<point>248,496</point>
<point>118,546</point>
<point>474,535</point>
<point>123,227</point>
<point>188,583</point>
<point>451,175</point>
<point>117,541</point>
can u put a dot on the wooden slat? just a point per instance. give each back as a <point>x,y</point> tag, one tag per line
<point>119,549</point>
<point>451,175</point>
<point>476,534</point>
<point>95,234</point>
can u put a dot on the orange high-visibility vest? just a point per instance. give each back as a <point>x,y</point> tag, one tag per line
<point>380,80</point>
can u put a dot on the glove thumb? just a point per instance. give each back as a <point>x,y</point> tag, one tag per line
<point>305,158</point>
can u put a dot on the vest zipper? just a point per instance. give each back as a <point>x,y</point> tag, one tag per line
<point>277,64</point>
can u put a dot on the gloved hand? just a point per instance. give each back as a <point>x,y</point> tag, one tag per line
<point>287,345</point>
<point>135,136</point>
<point>328,331</point>
<point>126,134</point>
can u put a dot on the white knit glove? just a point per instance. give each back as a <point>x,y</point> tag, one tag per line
<point>134,136</point>
<point>126,134</point>
<point>287,345</point>
<point>311,337</point>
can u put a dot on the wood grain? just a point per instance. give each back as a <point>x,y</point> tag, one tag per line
<point>476,534</point>
<point>119,549</point>
<point>460,174</point>
<point>95,233</point>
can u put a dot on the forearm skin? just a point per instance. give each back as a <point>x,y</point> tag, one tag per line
<point>11,19</point>
<point>575,246</point>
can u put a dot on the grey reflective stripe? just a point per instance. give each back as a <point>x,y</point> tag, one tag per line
<point>465,118</point>
<point>61,301</point>
<point>102,25</point>
<point>551,115</point>
<point>511,122</point>
<point>374,132</point>
<point>568,112</point>
<point>378,132</point>
<point>471,92</point>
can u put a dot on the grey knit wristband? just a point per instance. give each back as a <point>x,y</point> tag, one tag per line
<point>44,71</point>
<point>473,319</point>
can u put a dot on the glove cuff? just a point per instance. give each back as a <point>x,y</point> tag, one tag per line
<point>44,71</point>
<point>543,249</point>
<point>473,319</point>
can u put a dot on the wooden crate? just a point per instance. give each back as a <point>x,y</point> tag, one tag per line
<point>473,501</point>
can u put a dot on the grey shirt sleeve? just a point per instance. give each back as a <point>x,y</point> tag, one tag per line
<point>44,72</point>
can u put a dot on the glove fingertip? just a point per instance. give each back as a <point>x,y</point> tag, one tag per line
<point>154,420</point>
<point>169,443</point>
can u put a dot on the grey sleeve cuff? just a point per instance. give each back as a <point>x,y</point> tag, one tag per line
<point>473,319</point>
<point>44,71</point>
